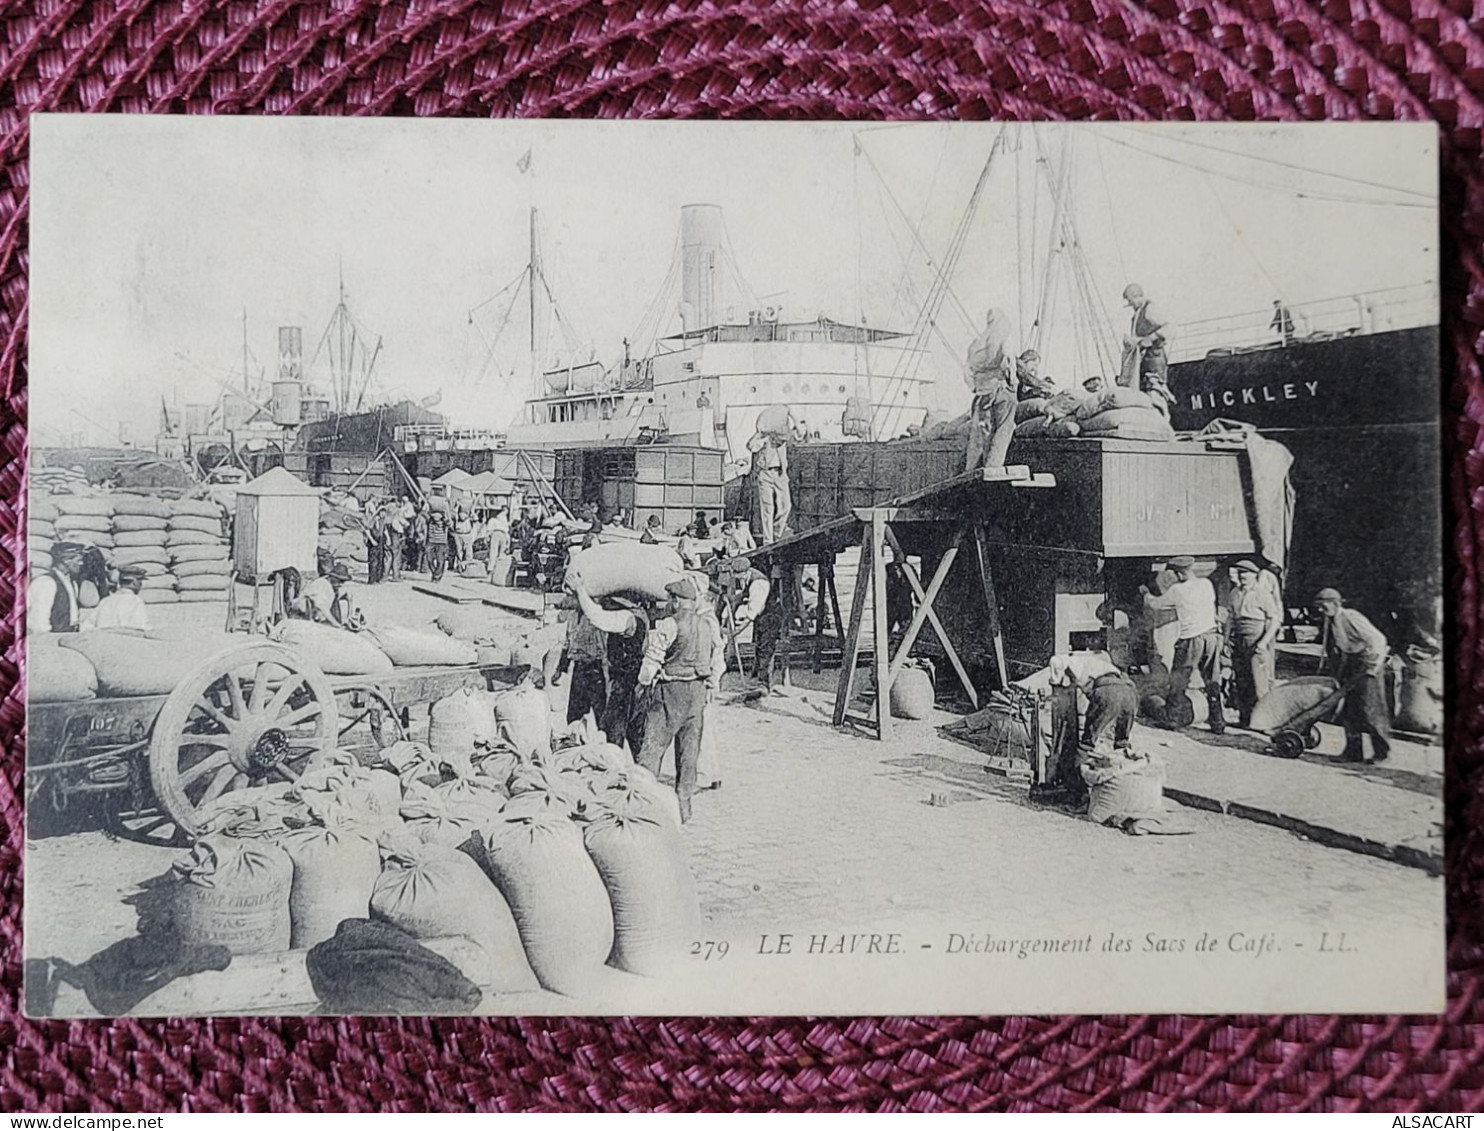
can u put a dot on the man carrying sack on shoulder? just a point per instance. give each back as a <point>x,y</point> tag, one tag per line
<point>682,669</point>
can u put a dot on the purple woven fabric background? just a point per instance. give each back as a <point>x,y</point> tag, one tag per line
<point>1219,59</point>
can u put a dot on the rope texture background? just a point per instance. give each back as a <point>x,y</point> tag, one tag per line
<point>1195,59</point>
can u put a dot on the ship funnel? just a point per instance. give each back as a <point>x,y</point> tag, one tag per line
<point>701,243</point>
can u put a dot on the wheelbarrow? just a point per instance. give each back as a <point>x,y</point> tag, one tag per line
<point>1300,730</point>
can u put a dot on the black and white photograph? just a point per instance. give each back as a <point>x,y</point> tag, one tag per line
<point>684,568</point>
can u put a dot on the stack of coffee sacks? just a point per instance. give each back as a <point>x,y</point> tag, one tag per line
<point>140,534</point>
<point>199,554</point>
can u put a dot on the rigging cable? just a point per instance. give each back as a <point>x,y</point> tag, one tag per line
<point>1299,193</point>
<point>1290,165</point>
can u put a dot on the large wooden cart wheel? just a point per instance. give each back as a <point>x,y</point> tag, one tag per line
<point>250,716</point>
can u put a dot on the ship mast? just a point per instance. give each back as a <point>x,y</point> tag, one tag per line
<point>533,267</point>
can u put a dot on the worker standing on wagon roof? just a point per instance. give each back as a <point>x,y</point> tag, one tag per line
<point>990,372</point>
<point>683,664</point>
<point>52,604</point>
<point>124,608</point>
<point>1145,361</point>
<point>1198,648</point>
<point>769,448</point>
<point>1355,653</point>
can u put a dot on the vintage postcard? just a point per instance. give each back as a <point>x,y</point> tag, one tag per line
<point>732,568</point>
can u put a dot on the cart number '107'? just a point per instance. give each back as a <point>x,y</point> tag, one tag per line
<point>709,951</point>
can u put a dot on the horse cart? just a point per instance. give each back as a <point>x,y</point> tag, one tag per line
<point>251,715</point>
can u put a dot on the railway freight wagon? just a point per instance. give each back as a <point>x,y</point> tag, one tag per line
<point>665,481</point>
<point>1064,561</point>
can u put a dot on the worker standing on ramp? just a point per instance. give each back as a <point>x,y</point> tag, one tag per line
<point>990,372</point>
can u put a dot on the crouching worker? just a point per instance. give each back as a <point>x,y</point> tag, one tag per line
<point>1112,703</point>
<point>682,669</point>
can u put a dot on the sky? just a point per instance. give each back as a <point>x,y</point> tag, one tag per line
<point>151,236</point>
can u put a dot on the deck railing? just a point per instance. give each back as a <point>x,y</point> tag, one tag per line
<point>1369,312</point>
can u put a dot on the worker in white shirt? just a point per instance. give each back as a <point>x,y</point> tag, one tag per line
<point>52,603</point>
<point>682,669</point>
<point>1112,704</point>
<point>1198,648</point>
<point>327,601</point>
<point>124,608</point>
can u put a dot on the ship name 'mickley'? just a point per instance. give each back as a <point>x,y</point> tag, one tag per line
<point>1255,394</point>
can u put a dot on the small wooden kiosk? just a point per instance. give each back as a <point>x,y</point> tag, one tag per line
<point>276,529</point>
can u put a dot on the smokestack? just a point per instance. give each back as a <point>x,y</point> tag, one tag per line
<point>701,235</point>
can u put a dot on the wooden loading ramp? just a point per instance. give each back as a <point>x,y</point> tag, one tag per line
<point>953,507</point>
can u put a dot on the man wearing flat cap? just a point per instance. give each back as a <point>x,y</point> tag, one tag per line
<point>1256,620</point>
<point>52,603</point>
<point>327,600</point>
<point>682,669</point>
<point>1198,648</point>
<point>1355,653</point>
<point>125,608</point>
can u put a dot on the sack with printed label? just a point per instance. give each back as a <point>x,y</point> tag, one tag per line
<point>234,893</point>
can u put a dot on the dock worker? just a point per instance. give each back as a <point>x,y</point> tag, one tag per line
<point>439,530</point>
<point>652,531</point>
<point>990,372</point>
<point>773,504</point>
<point>585,655</point>
<point>326,600</point>
<point>52,604</point>
<point>625,628</point>
<point>746,598</point>
<point>1198,647</point>
<point>1282,321</point>
<point>1112,704</point>
<point>1029,384</point>
<point>1256,620</point>
<point>124,608</point>
<point>682,669</point>
<point>1355,652</point>
<point>1144,349</point>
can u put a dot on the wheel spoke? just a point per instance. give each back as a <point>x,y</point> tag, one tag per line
<point>234,693</point>
<point>203,767</point>
<point>255,696</point>
<point>281,696</point>
<point>212,712</point>
<point>302,715</point>
<point>350,726</point>
<point>286,772</point>
<point>219,784</point>
<point>220,741</point>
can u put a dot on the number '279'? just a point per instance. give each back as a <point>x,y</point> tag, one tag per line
<point>709,950</point>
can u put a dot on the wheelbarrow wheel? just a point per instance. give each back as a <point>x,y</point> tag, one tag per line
<point>1288,744</point>
<point>250,716</point>
<point>1312,738</point>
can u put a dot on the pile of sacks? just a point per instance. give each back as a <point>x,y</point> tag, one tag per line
<point>500,641</point>
<point>59,481</point>
<point>179,544</point>
<point>556,856</point>
<point>1120,413</point>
